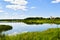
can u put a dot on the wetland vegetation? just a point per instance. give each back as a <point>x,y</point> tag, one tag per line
<point>4,28</point>
<point>49,34</point>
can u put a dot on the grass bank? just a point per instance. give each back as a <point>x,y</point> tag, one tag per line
<point>50,34</point>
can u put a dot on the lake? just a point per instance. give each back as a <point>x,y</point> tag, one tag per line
<point>22,27</point>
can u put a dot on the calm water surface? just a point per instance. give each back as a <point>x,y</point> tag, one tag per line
<point>22,27</point>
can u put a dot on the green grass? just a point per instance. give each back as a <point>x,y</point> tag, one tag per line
<point>5,28</point>
<point>50,34</point>
<point>41,21</point>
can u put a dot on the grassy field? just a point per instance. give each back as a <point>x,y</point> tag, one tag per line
<point>50,34</point>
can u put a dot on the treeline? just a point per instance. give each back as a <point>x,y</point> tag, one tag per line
<point>41,20</point>
<point>34,20</point>
<point>30,18</point>
<point>11,20</point>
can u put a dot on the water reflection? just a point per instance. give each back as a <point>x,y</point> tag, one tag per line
<point>22,27</point>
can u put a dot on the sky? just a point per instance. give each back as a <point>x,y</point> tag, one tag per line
<point>19,9</point>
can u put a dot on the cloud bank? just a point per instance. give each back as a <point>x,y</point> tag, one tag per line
<point>17,4</point>
<point>56,1</point>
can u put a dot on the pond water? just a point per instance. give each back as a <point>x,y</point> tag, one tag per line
<point>22,27</point>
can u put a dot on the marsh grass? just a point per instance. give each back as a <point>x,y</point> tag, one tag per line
<point>50,34</point>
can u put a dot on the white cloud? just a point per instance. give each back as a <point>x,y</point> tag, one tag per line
<point>17,4</point>
<point>1,11</point>
<point>33,7</point>
<point>56,1</point>
<point>15,7</point>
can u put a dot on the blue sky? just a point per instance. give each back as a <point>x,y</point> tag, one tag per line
<point>29,8</point>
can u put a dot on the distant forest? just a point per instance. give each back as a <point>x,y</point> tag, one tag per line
<point>34,20</point>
